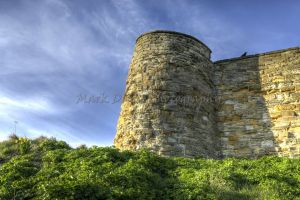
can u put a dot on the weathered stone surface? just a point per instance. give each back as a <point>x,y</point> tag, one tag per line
<point>268,107</point>
<point>178,103</point>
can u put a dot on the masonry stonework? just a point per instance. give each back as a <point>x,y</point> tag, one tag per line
<point>179,103</point>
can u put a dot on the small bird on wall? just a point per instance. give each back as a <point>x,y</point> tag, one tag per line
<point>244,54</point>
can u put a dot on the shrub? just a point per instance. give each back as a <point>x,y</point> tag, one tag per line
<point>24,145</point>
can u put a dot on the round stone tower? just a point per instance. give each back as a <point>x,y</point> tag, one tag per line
<point>169,105</point>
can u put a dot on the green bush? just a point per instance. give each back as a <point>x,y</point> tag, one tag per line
<point>24,145</point>
<point>50,169</point>
<point>9,148</point>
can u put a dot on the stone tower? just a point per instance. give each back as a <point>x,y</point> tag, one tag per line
<point>169,104</point>
<point>179,103</point>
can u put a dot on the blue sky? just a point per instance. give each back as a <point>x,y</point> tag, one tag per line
<point>55,52</point>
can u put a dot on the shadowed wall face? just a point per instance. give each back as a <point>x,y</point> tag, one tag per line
<point>168,105</point>
<point>260,104</point>
<point>243,118</point>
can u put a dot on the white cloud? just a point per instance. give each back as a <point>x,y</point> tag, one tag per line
<point>40,105</point>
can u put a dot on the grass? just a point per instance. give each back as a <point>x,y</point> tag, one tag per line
<point>45,168</point>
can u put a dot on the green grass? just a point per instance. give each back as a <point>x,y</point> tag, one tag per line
<point>49,169</point>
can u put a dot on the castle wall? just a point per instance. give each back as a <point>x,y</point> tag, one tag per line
<point>259,107</point>
<point>178,103</point>
<point>167,105</point>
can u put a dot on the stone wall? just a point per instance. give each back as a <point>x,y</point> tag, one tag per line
<point>260,104</point>
<point>179,103</point>
<point>169,78</point>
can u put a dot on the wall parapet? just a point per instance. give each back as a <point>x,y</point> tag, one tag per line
<point>258,54</point>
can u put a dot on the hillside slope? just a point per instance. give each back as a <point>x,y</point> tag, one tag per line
<point>49,169</point>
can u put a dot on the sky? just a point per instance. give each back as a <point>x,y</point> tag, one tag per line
<point>64,63</point>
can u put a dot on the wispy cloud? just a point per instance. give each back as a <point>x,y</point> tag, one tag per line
<point>32,105</point>
<point>52,53</point>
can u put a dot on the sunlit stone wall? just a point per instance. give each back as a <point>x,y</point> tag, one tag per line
<point>168,104</point>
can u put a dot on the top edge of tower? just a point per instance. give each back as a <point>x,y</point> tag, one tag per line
<point>175,33</point>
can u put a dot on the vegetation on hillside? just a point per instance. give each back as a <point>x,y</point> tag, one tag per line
<point>49,169</point>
